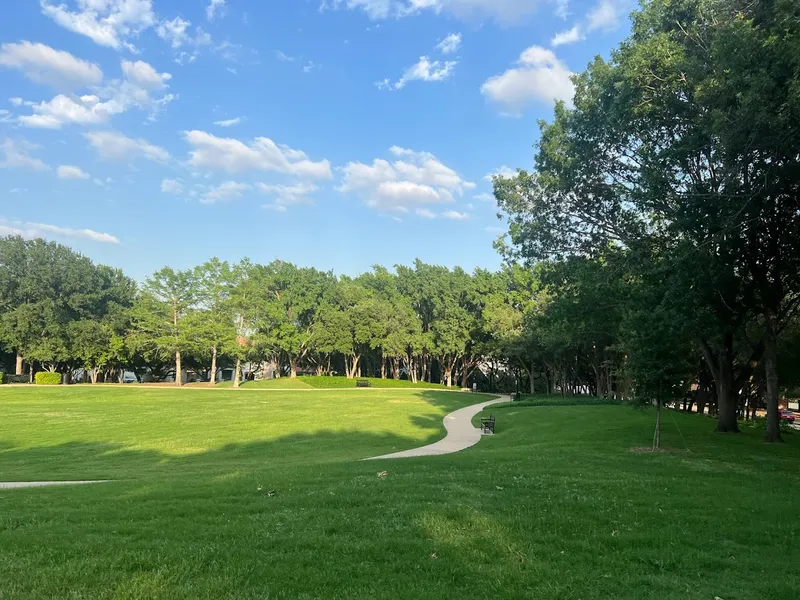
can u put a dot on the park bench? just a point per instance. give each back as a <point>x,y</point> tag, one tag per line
<point>487,425</point>
<point>362,383</point>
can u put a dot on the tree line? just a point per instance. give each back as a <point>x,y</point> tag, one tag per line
<point>679,165</point>
<point>653,252</point>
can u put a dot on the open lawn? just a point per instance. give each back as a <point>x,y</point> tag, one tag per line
<point>226,494</point>
<point>330,383</point>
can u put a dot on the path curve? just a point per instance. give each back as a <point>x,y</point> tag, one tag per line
<point>460,433</point>
<point>13,485</point>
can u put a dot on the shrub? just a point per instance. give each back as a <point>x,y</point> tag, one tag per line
<point>9,378</point>
<point>47,378</point>
<point>1,376</point>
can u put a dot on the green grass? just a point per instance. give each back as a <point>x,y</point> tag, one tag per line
<point>558,400</point>
<point>343,382</point>
<point>283,383</point>
<point>328,383</point>
<point>555,505</point>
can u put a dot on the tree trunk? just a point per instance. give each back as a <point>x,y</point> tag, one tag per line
<point>292,367</point>
<point>212,380</point>
<point>18,369</point>
<point>657,439</point>
<point>237,373</point>
<point>383,367</point>
<point>721,366</point>
<point>448,376</point>
<point>178,376</point>
<point>93,375</point>
<point>773,433</point>
<point>465,374</point>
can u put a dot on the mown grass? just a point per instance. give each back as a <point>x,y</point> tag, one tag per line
<point>555,505</point>
<point>558,400</point>
<point>282,383</point>
<point>343,382</point>
<point>312,381</point>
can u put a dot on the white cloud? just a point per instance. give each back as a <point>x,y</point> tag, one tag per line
<point>215,8</point>
<point>309,66</point>
<point>45,65</point>
<point>71,172</point>
<point>450,44</point>
<point>284,57</point>
<point>262,154</point>
<point>16,155</point>
<point>568,37</point>
<point>172,186</point>
<point>503,171</point>
<point>228,122</point>
<point>504,11</point>
<point>423,70</point>
<point>16,101</point>
<point>287,195</point>
<point>144,75</point>
<point>414,180</point>
<point>455,215</point>
<point>606,15</point>
<point>225,191</point>
<point>425,213</point>
<point>176,32</point>
<point>540,77</point>
<point>42,230</point>
<point>112,145</point>
<point>107,22</point>
<point>484,197</point>
<point>134,90</point>
<point>61,110</point>
<point>562,9</point>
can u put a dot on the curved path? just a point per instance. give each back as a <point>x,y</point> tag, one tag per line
<point>12,485</point>
<point>460,433</point>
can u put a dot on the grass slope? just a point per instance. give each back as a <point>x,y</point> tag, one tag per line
<point>555,505</point>
<point>283,383</point>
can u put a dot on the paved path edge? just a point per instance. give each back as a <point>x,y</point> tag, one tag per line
<point>460,433</point>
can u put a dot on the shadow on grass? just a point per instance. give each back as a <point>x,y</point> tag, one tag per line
<point>296,517</point>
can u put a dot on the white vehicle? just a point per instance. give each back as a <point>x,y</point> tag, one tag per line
<point>129,377</point>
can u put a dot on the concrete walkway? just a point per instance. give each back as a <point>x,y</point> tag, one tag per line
<point>12,485</point>
<point>460,433</point>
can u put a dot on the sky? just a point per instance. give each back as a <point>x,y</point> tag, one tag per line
<point>337,134</point>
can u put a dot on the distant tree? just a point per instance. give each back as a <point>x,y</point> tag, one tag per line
<point>160,313</point>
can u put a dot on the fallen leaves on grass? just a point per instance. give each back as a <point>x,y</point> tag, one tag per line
<point>382,474</point>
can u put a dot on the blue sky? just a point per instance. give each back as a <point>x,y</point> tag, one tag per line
<point>335,134</point>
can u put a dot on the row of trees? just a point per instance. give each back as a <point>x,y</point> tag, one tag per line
<point>679,167</point>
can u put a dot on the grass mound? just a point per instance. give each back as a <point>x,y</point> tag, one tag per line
<point>282,383</point>
<point>343,382</point>
<point>555,400</point>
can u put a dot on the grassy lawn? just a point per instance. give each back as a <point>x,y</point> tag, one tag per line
<point>314,382</point>
<point>555,505</point>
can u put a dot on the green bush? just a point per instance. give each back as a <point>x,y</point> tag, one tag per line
<point>2,375</point>
<point>47,378</point>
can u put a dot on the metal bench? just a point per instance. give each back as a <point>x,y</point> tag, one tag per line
<point>487,425</point>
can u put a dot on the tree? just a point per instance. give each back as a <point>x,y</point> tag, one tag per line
<point>214,281</point>
<point>160,315</point>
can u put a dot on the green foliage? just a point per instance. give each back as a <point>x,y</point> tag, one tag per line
<point>47,378</point>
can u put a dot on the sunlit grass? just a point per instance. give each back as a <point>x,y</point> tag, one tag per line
<point>213,502</point>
